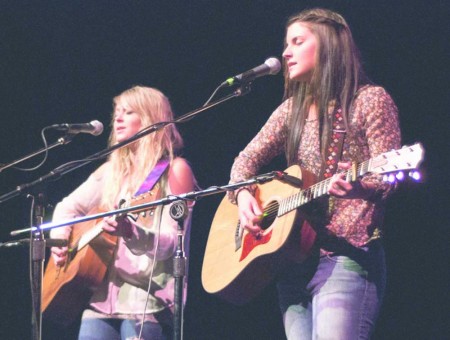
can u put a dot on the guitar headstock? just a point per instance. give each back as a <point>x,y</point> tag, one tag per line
<point>404,159</point>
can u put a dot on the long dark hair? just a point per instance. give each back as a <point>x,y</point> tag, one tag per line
<point>336,77</point>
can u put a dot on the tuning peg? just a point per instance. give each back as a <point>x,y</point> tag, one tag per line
<point>389,178</point>
<point>400,176</point>
<point>415,175</point>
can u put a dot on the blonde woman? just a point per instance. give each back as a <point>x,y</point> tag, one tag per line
<point>146,245</point>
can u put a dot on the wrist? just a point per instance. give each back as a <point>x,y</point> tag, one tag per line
<point>239,191</point>
<point>366,190</point>
<point>128,228</point>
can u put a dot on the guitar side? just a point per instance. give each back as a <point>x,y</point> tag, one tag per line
<point>238,268</point>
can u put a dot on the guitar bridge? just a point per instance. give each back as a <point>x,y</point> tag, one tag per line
<point>238,236</point>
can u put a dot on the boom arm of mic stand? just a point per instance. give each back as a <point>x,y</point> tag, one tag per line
<point>68,167</point>
<point>61,141</point>
<point>193,195</point>
<point>39,254</point>
<point>241,91</point>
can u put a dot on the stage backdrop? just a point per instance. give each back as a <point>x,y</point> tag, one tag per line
<point>64,61</point>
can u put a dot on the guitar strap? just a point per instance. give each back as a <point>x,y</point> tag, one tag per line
<point>333,151</point>
<point>153,177</point>
<point>334,145</point>
<point>335,141</point>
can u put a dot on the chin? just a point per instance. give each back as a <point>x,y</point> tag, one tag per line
<point>120,138</point>
<point>299,77</point>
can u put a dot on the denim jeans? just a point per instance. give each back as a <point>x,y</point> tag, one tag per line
<point>333,296</point>
<point>118,329</point>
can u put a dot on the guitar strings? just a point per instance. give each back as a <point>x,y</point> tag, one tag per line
<point>310,193</point>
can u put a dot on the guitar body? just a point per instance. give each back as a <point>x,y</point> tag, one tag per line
<point>67,290</point>
<point>237,265</point>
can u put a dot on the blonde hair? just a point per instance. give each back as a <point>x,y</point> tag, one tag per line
<point>131,164</point>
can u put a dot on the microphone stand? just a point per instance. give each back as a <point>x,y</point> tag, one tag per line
<point>61,141</point>
<point>193,195</point>
<point>179,212</point>
<point>68,167</point>
<point>37,241</point>
<point>37,244</point>
<point>37,257</point>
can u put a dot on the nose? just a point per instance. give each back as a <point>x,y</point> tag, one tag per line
<point>118,116</point>
<point>287,53</point>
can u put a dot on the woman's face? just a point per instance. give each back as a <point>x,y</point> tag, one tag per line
<point>126,122</point>
<point>300,52</point>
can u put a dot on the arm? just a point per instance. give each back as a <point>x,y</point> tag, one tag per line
<point>79,203</point>
<point>140,239</point>
<point>378,113</point>
<point>268,143</point>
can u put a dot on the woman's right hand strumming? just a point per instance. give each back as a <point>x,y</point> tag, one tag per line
<point>250,212</point>
<point>59,255</point>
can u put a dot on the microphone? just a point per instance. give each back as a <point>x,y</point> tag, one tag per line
<point>94,128</point>
<point>270,66</point>
<point>291,180</point>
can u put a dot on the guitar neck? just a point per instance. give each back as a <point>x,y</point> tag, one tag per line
<point>319,189</point>
<point>88,237</point>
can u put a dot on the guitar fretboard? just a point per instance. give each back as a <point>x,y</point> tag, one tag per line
<point>317,190</point>
<point>88,237</point>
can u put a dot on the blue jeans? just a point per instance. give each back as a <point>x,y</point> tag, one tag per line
<point>118,329</point>
<point>333,296</point>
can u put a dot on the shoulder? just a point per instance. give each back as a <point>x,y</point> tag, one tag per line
<point>181,178</point>
<point>281,114</point>
<point>180,165</point>
<point>285,107</point>
<point>373,98</point>
<point>100,172</point>
<point>372,93</point>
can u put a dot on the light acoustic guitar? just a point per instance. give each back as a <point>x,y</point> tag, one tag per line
<point>238,265</point>
<point>66,290</point>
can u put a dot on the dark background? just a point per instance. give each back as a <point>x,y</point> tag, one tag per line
<point>63,61</point>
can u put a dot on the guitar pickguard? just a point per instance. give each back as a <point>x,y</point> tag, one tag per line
<point>250,241</point>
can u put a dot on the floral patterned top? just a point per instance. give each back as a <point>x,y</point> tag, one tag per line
<point>373,129</point>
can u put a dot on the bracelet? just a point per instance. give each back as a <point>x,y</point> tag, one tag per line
<point>238,191</point>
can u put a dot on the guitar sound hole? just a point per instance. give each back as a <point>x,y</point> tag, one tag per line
<point>270,213</point>
<point>71,254</point>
